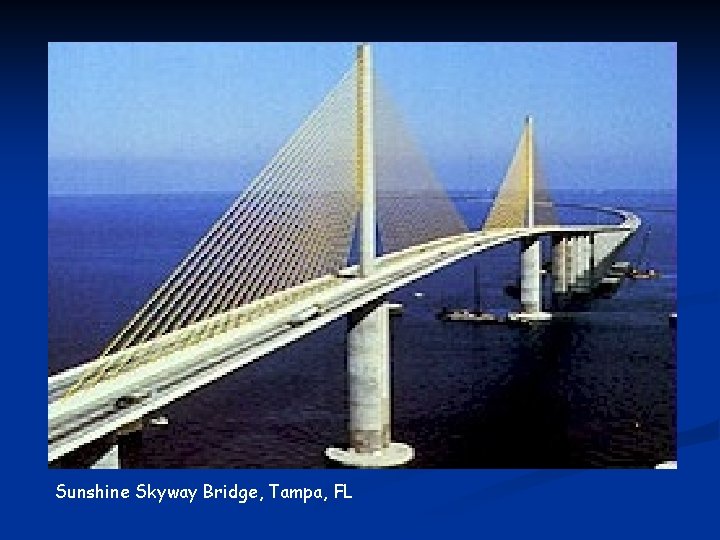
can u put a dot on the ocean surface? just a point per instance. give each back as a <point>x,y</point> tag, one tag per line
<point>597,390</point>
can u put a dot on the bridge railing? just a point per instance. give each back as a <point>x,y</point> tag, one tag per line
<point>105,368</point>
<point>110,366</point>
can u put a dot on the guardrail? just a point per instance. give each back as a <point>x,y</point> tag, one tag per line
<point>254,324</point>
<point>110,366</point>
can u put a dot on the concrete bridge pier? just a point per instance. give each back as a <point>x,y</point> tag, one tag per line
<point>109,460</point>
<point>531,304</point>
<point>114,450</point>
<point>368,335</point>
<point>560,270</point>
<point>124,440</point>
<point>575,265</point>
<point>587,267</point>
<point>591,260</point>
<point>602,255</point>
<point>581,285</point>
<point>604,251</point>
<point>581,265</point>
<point>571,262</point>
<point>369,389</point>
<point>530,278</point>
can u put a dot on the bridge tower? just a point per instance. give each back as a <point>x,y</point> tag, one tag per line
<point>368,334</point>
<point>530,247</point>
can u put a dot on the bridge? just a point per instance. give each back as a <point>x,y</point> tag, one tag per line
<point>275,267</point>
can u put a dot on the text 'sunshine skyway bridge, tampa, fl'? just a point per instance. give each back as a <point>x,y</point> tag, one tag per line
<point>273,269</point>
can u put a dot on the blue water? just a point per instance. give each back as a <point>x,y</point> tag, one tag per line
<point>595,391</point>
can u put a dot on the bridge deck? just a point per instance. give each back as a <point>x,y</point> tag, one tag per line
<point>82,401</point>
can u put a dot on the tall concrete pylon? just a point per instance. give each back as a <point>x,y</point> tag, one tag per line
<point>368,334</point>
<point>365,162</point>
<point>530,247</point>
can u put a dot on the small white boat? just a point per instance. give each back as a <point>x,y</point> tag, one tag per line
<point>159,421</point>
<point>419,294</point>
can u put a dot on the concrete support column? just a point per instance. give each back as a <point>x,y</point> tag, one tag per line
<point>368,366</point>
<point>576,265</point>
<point>531,304</point>
<point>571,261</point>
<point>592,274</point>
<point>586,261</point>
<point>577,260</point>
<point>617,240</point>
<point>109,460</point>
<point>122,443</point>
<point>580,264</point>
<point>600,254</point>
<point>369,399</point>
<point>559,265</point>
<point>581,282</point>
<point>530,279</point>
<point>605,246</point>
<point>583,265</point>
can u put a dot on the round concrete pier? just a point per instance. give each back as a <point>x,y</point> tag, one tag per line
<point>393,455</point>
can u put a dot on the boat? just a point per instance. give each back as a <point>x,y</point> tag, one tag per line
<point>159,421</point>
<point>637,272</point>
<point>467,315</point>
<point>644,274</point>
<point>475,315</point>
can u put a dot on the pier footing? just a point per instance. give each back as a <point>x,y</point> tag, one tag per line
<point>369,387</point>
<point>109,460</point>
<point>393,455</point>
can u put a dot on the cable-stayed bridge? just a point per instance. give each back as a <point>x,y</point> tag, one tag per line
<point>274,268</point>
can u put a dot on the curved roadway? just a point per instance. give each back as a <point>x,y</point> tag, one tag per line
<point>83,401</point>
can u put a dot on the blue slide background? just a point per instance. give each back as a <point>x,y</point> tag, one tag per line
<point>408,503</point>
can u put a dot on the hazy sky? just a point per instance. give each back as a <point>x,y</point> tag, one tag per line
<point>131,117</point>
